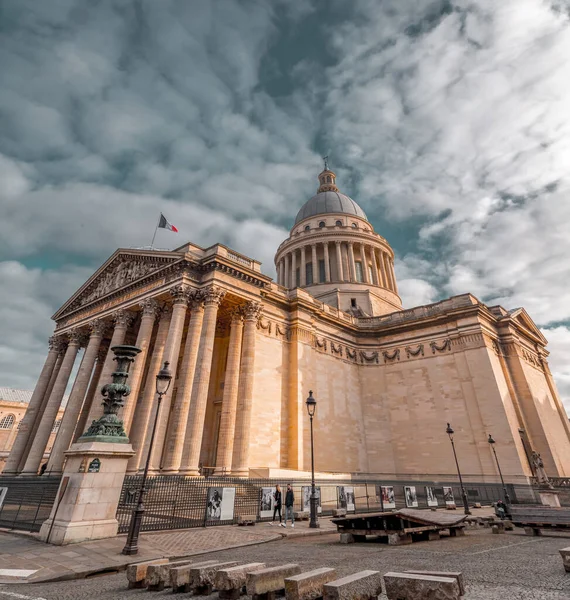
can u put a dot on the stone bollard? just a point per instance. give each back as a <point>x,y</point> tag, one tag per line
<point>565,554</point>
<point>136,574</point>
<point>455,574</point>
<point>230,583</point>
<point>265,584</point>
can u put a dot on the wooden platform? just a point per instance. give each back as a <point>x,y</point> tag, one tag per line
<point>541,517</point>
<point>402,526</point>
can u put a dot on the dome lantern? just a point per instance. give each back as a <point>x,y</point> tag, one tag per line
<point>327,179</point>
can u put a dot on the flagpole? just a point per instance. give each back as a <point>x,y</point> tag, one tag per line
<point>155,230</point>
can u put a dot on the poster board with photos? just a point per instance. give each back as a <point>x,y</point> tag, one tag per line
<point>431,498</point>
<point>448,496</point>
<point>411,496</point>
<point>306,498</point>
<point>387,496</point>
<point>221,503</point>
<point>267,502</point>
<point>346,497</point>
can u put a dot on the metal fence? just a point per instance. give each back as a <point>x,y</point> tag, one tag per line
<point>27,501</point>
<point>178,502</point>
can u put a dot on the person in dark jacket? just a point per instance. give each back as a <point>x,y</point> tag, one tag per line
<point>289,503</point>
<point>277,505</point>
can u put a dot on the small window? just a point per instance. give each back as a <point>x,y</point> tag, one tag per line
<point>322,224</point>
<point>338,223</point>
<point>370,274</point>
<point>7,422</point>
<point>329,180</point>
<point>307,228</point>
<point>355,226</point>
<point>56,425</point>
<point>353,302</point>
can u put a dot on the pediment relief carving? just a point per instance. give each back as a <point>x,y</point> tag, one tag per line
<point>122,271</point>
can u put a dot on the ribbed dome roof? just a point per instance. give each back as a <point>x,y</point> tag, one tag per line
<point>329,202</point>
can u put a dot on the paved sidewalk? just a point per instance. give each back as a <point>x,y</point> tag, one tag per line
<point>25,559</point>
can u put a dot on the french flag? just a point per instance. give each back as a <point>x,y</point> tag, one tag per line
<point>164,224</point>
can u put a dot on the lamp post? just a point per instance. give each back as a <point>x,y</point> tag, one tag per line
<point>450,433</point>
<point>311,408</point>
<point>163,379</point>
<point>492,444</point>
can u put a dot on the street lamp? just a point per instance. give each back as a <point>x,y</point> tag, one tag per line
<point>311,408</point>
<point>492,443</point>
<point>163,379</point>
<point>450,432</point>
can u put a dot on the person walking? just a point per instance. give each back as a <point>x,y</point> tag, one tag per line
<point>277,505</point>
<point>289,503</point>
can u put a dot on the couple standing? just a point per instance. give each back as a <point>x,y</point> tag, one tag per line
<point>289,502</point>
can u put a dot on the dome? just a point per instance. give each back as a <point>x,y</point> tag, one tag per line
<point>329,202</point>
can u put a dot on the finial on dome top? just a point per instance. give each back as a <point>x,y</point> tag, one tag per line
<point>327,179</point>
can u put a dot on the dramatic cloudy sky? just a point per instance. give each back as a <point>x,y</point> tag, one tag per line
<point>447,120</point>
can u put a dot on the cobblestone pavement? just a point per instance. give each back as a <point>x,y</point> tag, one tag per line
<point>496,567</point>
<point>27,552</point>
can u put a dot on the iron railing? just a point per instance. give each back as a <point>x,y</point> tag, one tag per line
<point>28,501</point>
<point>179,502</point>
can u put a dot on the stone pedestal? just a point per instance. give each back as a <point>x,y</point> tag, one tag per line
<point>549,498</point>
<point>88,496</point>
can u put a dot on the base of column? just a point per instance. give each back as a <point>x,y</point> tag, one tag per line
<point>189,473</point>
<point>64,532</point>
<point>240,473</point>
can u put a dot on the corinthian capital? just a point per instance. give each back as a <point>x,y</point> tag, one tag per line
<point>179,293</point>
<point>149,307</point>
<point>123,318</point>
<point>213,295</point>
<point>98,327</point>
<point>57,343</point>
<point>252,310</point>
<point>75,336</point>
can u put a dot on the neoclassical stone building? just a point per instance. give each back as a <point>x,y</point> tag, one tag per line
<point>245,350</point>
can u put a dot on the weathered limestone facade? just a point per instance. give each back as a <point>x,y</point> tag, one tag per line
<point>245,350</point>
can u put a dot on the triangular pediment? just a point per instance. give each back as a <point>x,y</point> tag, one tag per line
<point>523,320</point>
<point>123,269</point>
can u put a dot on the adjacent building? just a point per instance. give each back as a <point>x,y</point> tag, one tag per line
<point>245,350</point>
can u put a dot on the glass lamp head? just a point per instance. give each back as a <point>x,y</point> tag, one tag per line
<point>311,404</point>
<point>163,379</point>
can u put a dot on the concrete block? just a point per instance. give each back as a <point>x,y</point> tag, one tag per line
<point>347,538</point>
<point>159,576</point>
<point>301,515</point>
<point>477,505</point>
<point>308,586</point>
<point>397,539</point>
<point>247,519</point>
<point>339,512</point>
<point>508,526</point>
<point>497,528</point>
<point>565,554</point>
<point>456,574</point>
<point>364,585</point>
<point>270,580</point>
<point>410,586</point>
<point>231,581</point>
<point>534,531</point>
<point>136,574</point>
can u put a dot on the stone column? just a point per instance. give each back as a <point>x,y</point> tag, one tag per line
<point>364,262</point>
<point>375,279</point>
<point>140,432</point>
<point>339,269</point>
<point>91,392</point>
<point>76,398</point>
<point>122,318</point>
<point>177,431</point>
<point>351,263</point>
<point>316,278</point>
<point>53,378</point>
<point>393,274</point>
<point>280,272</point>
<point>287,272</point>
<point>303,268</point>
<point>149,312</point>
<point>171,353</point>
<point>229,401</point>
<point>327,262</point>
<point>195,428</point>
<point>382,266</point>
<point>387,272</point>
<point>33,410</point>
<point>240,460</point>
<point>48,418</point>
<point>293,269</point>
